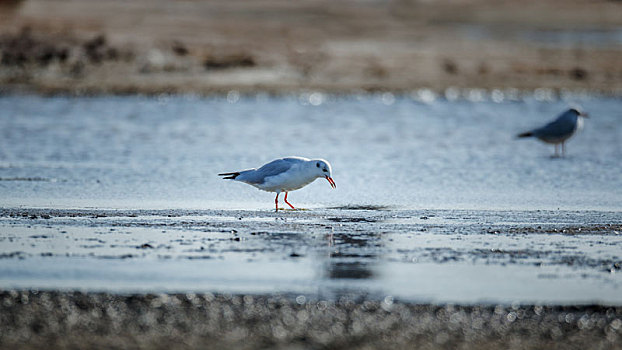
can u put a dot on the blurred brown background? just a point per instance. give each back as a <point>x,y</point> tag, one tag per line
<point>153,46</point>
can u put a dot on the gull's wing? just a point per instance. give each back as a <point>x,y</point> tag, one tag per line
<point>560,127</point>
<point>273,168</point>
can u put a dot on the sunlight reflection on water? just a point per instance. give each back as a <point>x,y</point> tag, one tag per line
<point>415,150</point>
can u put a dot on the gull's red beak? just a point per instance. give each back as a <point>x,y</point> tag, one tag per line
<point>331,182</point>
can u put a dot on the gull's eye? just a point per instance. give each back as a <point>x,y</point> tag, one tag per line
<point>317,165</point>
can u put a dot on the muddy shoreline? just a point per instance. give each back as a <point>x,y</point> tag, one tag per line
<point>351,238</point>
<point>72,320</point>
<point>424,256</point>
<point>84,48</point>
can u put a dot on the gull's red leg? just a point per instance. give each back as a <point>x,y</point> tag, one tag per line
<point>276,202</point>
<point>288,202</point>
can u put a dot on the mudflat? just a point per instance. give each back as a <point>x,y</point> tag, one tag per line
<point>345,277</point>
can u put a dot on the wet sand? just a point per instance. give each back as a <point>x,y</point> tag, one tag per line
<point>87,47</point>
<point>320,278</point>
<point>75,320</point>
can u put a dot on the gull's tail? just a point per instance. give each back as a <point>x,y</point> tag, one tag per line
<point>525,134</point>
<point>230,176</point>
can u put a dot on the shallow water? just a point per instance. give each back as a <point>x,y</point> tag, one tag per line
<point>390,151</point>
<point>436,200</point>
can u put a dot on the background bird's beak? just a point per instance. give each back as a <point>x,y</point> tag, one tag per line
<point>584,115</point>
<point>331,182</point>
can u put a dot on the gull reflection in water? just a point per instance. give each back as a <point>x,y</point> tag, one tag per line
<point>353,256</point>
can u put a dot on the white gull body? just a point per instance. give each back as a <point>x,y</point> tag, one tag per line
<point>561,129</point>
<point>284,175</point>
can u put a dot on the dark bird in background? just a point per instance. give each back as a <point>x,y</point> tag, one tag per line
<point>560,130</point>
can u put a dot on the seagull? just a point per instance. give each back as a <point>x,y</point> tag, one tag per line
<point>559,130</point>
<point>284,175</point>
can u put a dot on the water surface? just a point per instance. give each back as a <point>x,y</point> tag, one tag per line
<point>385,150</point>
<point>436,200</point>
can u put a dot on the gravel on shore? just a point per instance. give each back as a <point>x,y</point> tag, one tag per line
<point>86,320</point>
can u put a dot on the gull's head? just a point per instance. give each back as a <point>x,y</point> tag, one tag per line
<point>322,169</point>
<point>577,112</point>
